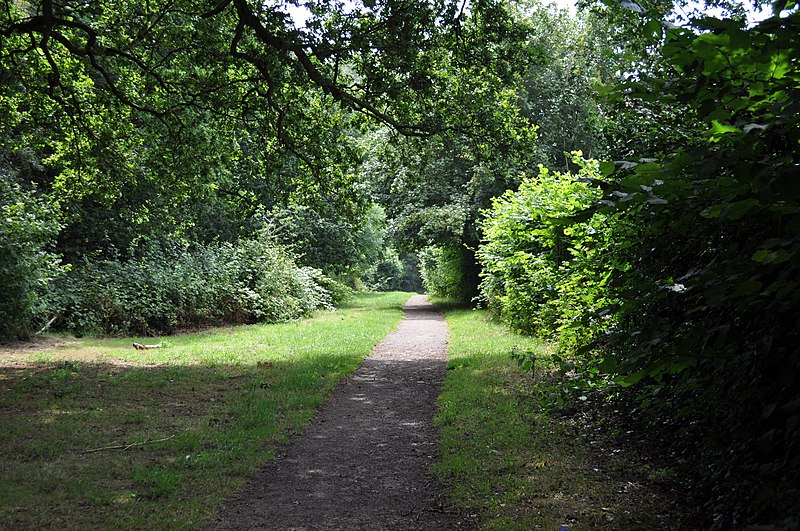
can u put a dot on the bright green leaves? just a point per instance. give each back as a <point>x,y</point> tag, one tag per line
<point>780,5</point>
<point>719,130</point>
<point>544,270</point>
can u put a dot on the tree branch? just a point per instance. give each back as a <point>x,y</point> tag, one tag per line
<point>248,19</point>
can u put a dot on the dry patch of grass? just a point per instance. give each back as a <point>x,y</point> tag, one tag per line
<point>94,434</point>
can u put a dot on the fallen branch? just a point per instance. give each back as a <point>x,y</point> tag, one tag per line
<point>139,346</point>
<point>45,327</point>
<point>124,447</point>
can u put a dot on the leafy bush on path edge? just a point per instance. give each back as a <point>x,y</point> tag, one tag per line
<point>250,281</point>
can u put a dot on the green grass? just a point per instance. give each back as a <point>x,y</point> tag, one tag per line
<point>94,434</point>
<point>516,467</point>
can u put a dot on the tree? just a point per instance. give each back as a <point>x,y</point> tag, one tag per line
<point>179,103</point>
<point>570,56</point>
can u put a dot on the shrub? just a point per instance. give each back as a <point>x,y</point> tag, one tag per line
<point>444,270</point>
<point>700,317</point>
<point>544,272</point>
<point>157,292</point>
<point>28,227</point>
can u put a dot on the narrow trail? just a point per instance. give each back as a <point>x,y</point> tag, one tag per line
<point>363,462</point>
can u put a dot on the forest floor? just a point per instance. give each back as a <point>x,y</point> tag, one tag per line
<point>364,461</point>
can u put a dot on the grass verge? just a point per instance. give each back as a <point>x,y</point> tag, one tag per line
<point>95,434</point>
<point>511,465</point>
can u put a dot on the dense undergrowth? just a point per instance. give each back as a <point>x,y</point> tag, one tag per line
<point>27,265</point>
<point>246,282</point>
<point>672,281</point>
<point>157,287</point>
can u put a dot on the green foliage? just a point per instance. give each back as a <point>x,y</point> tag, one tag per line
<point>719,264</point>
<point>543,272</point>
<point>446,271</point>
<point>570,55</point>
<point>178,121</point>
<point>251,281</point>
<point>395,272</point>
<point>388,273</point>
<point>341,247</point>
<point>676,275</point>
<point>28,227</point>
<point>435,187</point>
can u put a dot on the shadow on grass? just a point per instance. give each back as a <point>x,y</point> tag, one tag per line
<point>95,435</point>
<point>99,445</point>
<point>449,305</point>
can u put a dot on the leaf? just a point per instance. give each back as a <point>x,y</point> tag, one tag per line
<point>791,406</point>
<point>653,29</point>
<point>777,257</point>
<point>739,209</point>
<point>760,255</point>
<point>768,409</point>
<point>630,379</point>
<point>712,212</point>
<point>607,168</point>
<point>748,287</point>
<point>632,6</point>
<point>719,130</point>
<point>751,127</point>
<point>653,200</point>
<point>609,364</point>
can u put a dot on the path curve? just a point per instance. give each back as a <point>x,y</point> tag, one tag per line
<point>363,462</point>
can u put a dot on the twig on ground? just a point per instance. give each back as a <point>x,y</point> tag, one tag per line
<point>124,447</point>
<point>139,346</point>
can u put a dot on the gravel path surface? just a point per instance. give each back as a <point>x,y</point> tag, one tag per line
<point>363,462</point>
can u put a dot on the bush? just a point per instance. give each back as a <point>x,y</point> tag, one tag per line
<point>543,272</point>
<point>702,287</point>
<point>250,281</point>
<point>444,270</point>
<point>335,245</point>
<point>28,227</point>
<point>394,272</point>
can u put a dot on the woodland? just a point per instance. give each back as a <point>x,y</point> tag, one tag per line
<point>622,181</point>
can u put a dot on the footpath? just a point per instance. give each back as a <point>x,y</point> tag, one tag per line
<point>363,461</point>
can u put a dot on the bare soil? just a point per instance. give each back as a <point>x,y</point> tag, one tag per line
<point>363,462</point>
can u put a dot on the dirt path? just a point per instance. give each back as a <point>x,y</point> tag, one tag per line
<point>363,462</point>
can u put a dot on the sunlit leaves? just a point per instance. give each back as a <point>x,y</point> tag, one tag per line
<point>27,264</point>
